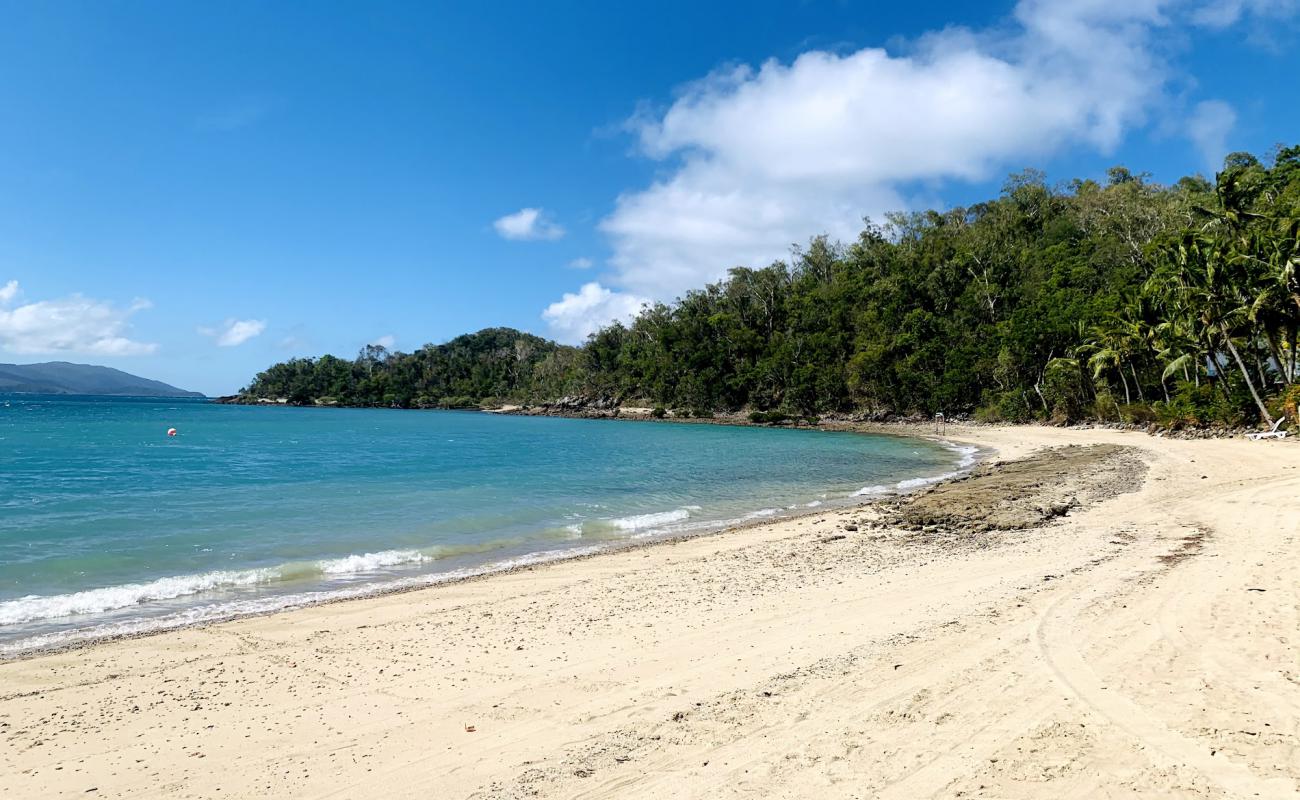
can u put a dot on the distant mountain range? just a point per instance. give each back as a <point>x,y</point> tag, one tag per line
<point>60,377</point>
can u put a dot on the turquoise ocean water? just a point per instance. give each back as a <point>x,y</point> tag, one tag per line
<point>107,525</point>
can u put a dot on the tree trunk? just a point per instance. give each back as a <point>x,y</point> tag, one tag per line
<point>1165,389</point>
<point>1294,376</point>
<point>1232,348</point>
<point>1042,399</point>
<point>1136,382</point>
<point>1218,369</point>
<point>1259,367</point>
<point>1276,353</point>
<point>1127,400</point>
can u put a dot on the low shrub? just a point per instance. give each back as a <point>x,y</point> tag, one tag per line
<point>1138,414</point>
<point>1191,406</point>
<point>1106,407</point>
<point>1288,404</point>
<point>1009,406</point>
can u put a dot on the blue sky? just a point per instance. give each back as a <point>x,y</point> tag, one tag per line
<point>192,191</point>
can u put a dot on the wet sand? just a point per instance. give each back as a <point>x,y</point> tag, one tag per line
<point>1114,619</point>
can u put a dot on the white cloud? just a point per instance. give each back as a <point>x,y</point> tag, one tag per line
<point>1208,128</point>
<point>1222,13</point>
<point>765,158</point>
<point>581,263</point>
<point>73,324</point>
<point>756,159</point>
<point>528,223</point>
<point>234,332</point>
<point>577,315</point>
<point>385,342</point>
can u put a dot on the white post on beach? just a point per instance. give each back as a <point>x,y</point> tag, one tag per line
<point>940,422</point>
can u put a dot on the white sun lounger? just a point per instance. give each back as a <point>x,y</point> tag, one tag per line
<point>1269,434</point>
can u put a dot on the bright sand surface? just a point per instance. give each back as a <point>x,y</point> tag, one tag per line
<point>1148,645</point>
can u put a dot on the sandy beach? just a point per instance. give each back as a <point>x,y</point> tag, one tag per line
<point>1112,621</point>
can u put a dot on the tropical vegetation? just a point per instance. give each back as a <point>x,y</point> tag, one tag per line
<point>1118,300</point>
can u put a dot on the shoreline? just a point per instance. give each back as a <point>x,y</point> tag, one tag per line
<point>911,424</point>
<point>1129,640</point>
<point>398,585</point>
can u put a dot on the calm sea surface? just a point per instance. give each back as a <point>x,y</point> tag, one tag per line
<point>107,525</point>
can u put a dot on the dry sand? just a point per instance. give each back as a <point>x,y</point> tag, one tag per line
<point>1141,638</point>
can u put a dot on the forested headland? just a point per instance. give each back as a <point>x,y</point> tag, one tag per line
<point>1120,301</point>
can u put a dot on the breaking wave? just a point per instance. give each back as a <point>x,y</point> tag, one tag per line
<point>34,608</point>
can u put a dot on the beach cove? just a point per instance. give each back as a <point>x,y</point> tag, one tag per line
<point>1137,637</point>
<point>110,525</point>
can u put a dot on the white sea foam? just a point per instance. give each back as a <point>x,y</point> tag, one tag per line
<point>108,598</point>
<point>260,605</point>
<point>369,562</point>
<point>33,608</point>
<point>968,455</point>
<point>967,452</point>
<point>658,519</point>
<point>872,491</point>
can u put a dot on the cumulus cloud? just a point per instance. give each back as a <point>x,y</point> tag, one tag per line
<point>766,157</point>
<point>526,224</point>
<point>234,332</point>
<point>576,316</point>
<point>1208,128</point>
<point>581,263</point>
<point>385,342</point>
<point>757,158</point>
<point>73,324</point>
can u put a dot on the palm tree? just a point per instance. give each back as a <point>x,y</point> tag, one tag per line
<point>1276,305</point>
<point>1196,270</point>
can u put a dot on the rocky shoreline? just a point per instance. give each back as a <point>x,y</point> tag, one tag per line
<point>577,407</point>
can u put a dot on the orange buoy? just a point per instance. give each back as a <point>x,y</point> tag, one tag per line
<point>171,431</point>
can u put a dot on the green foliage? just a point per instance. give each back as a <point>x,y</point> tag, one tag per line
<point>1191,406</point>
<point>1138,414</point>
<point>1064,390</point>
<point>659,412</point>
<point>1105,408</point>
<point>1289,404</point>
<point>1123,301</point>
<point>1011,405</point>
<point>493,363</point>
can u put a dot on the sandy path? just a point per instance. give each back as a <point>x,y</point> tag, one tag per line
<point>1145,646</point>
